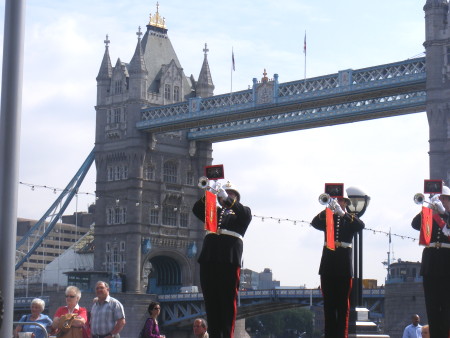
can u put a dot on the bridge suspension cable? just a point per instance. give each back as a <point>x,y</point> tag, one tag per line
<point>36,235</point>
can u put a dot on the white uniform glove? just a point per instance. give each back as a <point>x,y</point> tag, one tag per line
<point>446,230</point>
<point>338,210</point>
<point>222,193</point>
<point>332,204</point>
<point>437,204</point>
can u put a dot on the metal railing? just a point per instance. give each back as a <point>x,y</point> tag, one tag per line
<point>33,323</point>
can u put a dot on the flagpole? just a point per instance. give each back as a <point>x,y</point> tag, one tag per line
<point>304,51</point>
<point>231,71</point>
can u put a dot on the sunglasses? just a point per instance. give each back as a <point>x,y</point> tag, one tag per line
<point>156,308</point>
<point>70,296</point>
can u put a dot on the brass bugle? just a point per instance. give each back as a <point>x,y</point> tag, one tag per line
<point>324,199</point>
<point>419,198</point>
<point>203,182</point>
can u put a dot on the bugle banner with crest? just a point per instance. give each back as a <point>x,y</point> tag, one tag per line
<point>427,226</point>
<point>434,188</point>
<point>332,190</point>
<point>329,229</point>
<point>210,211</point>
<point>212,173</point>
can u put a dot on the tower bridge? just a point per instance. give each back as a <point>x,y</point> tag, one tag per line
<point>180,309</point>
<point>347,96</point>
<point>155,129</point>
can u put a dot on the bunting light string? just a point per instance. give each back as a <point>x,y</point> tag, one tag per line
<point>279,220</point>
<point>155,205</point>
<point>55,190</point>
<point>391,234</point>
<point>295,222</point>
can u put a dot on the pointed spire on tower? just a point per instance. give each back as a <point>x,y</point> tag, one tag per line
<point>137,63</point>
<point>205,85</point>
<point>105,71</point>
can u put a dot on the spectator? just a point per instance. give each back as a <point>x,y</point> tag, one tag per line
<point>151,327</point>
<point>413,330</point>
<point>73,295</point>
<point>200,328</point>
<point>107,314</point>
<point>425,331</point>
<point>37,307</point>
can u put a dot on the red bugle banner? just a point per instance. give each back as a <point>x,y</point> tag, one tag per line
<point>329,221</point>
<point>210,211</point>
<point>427,226</point>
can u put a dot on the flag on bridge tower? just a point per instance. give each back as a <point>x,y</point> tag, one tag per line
<point>304,52</point>
<point>233,68</point>
<point>232,60</point>
<point>304,44</point>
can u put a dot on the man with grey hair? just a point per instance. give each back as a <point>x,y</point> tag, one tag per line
<point>200,328</point>
<point>107,314</point>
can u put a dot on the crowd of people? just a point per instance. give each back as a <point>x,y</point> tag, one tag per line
<point>106,318</point>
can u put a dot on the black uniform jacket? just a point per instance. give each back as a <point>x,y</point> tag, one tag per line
<point>338,262</point>
<point>224,248</point>
<point>435,261</point>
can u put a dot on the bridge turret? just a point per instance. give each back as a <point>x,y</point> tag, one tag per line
<point>437,46</point>
<point>104,76</point>
<point>138,72</point>
<point>205,86</point>
<point>436,19</point>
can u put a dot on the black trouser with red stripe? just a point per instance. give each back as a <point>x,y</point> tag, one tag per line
<point>437,302</point>
<point>336,305</point>
<point>220,285</point>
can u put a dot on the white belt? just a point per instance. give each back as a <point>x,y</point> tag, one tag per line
<point>341,244</point>
<point>226,232</point>
<point>439,245</point>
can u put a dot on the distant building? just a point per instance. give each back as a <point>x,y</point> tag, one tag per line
<point>252,280</point>
<point>403,297</point>
<point>56,243</point>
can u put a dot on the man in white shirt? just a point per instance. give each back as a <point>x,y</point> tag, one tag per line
<point>413,330</point>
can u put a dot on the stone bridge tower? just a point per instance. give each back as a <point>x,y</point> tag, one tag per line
<point>146,184</point>
<point>437,46</point>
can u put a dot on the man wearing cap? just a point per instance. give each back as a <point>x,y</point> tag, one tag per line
<point>336,265</point>
<point>220,260</point>
<point>435,266</point>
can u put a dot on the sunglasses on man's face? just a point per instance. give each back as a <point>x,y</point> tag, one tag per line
<point>70,296</point>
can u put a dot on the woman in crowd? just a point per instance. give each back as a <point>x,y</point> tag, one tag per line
<point>151,328</point>
<point>73,295</point>
<point>37,307</point>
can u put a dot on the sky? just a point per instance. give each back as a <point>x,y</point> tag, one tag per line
<point>280,177</point>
